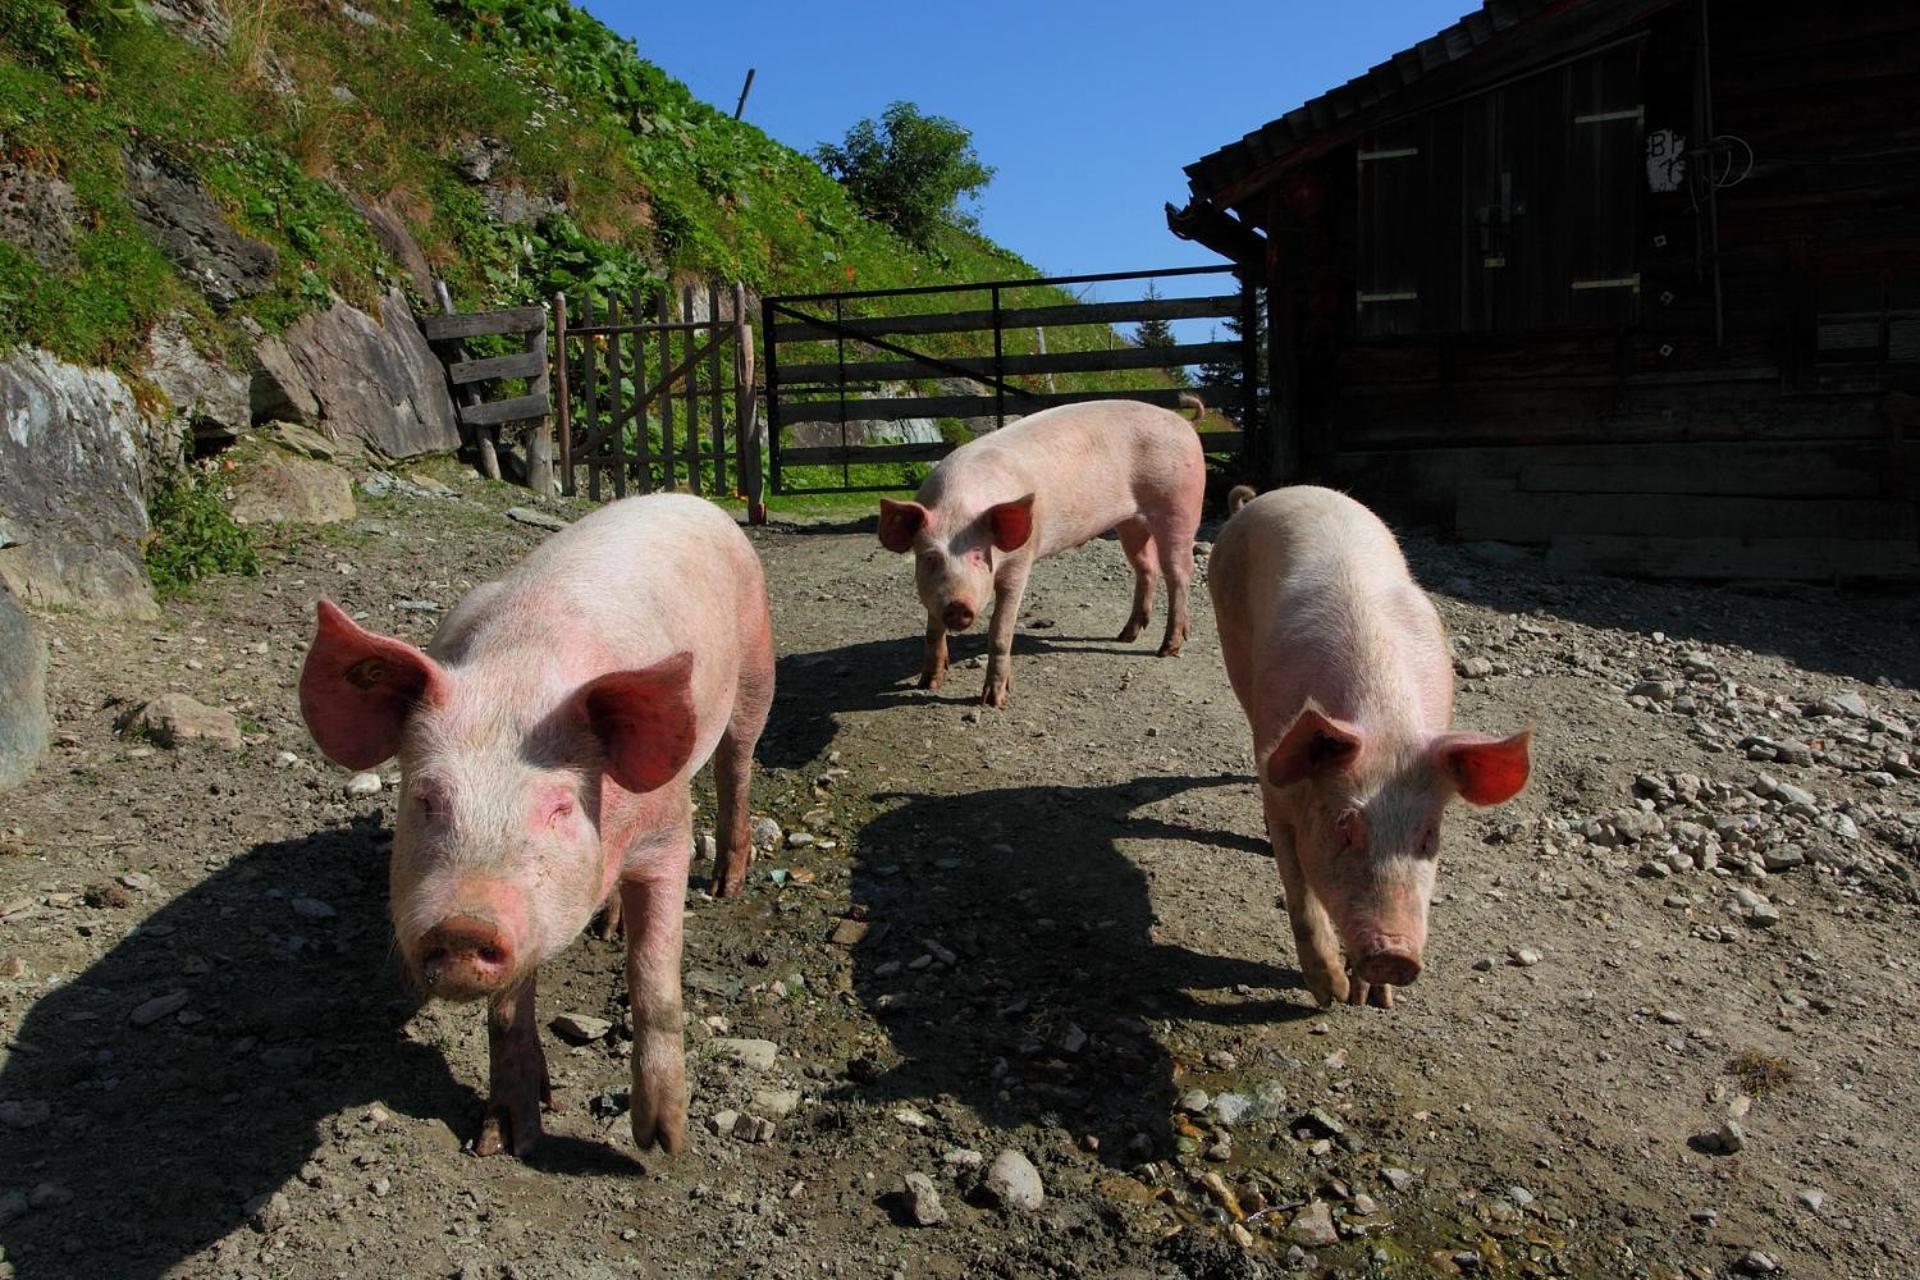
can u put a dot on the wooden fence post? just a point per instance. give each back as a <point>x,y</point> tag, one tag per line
<point>746,411</point>
<point>563,390</point>
<point>539,439</point>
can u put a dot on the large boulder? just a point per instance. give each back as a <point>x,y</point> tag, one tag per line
<point>73,469</point>
<point>182,219</point>
<point>375,381</point>
<point>279,488</point>
<point>212,398</point>
<point>24,726</point>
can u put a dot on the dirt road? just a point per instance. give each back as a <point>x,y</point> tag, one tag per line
<point>1050,930</point>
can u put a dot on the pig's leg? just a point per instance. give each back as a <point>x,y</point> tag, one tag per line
<point>1360,991</point>
<point>1313,937</point>
<point>933,667</point>
<point>517,1082</point>
<point>654,899</point>
<point>1008,587</point>
<point>733,768</point>
<point>606,925</point>
<point>1136,539</point>
<point>1176,561</point>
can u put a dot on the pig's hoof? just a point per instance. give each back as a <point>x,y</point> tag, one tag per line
<point>730,880</point>
<point>1379,995</point>
<point>660,1121</point>
<point>511,1125</point>
<point>1131,632</point>
<point>1329,987</point>
<point>930,679</point>
<point>1170,650</point>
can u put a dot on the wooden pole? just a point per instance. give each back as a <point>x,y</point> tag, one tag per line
<point>539,437</point>
<point>746,424</point>
<point>563,406</point>
<point>714,389</point>
<point>693,392</point>
<point>745,89</point>
<point>596,447</point>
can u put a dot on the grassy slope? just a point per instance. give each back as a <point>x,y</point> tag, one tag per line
<point>652,180</point>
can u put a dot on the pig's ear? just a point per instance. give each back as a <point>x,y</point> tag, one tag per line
<point>1314,744</point>
<point>644,720</point>
<point>357,689</point>
<point>1484,770</point>
<point>1011,523</point>
<point>899,522</point>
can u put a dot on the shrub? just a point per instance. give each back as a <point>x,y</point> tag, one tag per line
<point>193,537</point>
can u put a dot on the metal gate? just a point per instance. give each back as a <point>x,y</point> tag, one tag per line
<point>650,401</point>
<point>933,375</point>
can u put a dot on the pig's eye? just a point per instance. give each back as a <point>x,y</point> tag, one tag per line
<point>430,803</point>
<point>1351,827</point>
<point>1429,842</point>
<point>562,810</point>
<point>977,556</point>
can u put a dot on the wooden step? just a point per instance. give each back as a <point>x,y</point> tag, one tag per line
<point>1501,514</point>
<point>1796,558</point>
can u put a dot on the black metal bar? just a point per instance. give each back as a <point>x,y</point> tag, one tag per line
<point>1038,281</point>
<point>840,358</point>
<point>838,325</point>
<point>999,372</point>
<point>773,394</point>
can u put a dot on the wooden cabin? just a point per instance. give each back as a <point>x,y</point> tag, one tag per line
<point>1634,280</point>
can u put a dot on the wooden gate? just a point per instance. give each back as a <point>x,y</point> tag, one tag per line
<point>648,401</point>
<point>837,363</point>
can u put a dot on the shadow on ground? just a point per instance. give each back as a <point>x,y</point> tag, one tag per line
<point>167,1132</point>
<point>1044,1014</point>
<point>1859,634</point>
<point>812,689</point>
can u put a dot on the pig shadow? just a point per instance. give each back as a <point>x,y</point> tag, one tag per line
<point>1044,1015</point>
<point>811,691</point>
<point>164,1133</point>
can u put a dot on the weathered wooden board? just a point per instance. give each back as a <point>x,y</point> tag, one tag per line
<point>1723,558</point>
<point>473,324</point>
<point>1802,474</point>
<point>521,364</point>
<point>1508,515</point>
<point>518,409</point>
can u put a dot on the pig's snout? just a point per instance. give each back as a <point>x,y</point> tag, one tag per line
<point>958,615</point>
<point>464,957</point>
<point>1387,961</point>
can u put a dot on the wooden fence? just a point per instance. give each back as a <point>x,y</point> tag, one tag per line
<point>650,400</point>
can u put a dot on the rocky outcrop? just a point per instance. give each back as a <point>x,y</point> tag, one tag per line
<point>73,468</point>
<point>278,391</point>
<point>37,213</point>
<point>177,212</point>
<point>202,22</point>
<point>375,381</point>
<point>24,726</point>
<point>390,230</point>
<point>212,398</point>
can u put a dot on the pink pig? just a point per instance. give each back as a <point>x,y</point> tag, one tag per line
<point>546,739</point>
<point>1046,484</point>
<point>1341,664</point>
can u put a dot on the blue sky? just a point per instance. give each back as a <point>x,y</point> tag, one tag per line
<point>1087,111</point>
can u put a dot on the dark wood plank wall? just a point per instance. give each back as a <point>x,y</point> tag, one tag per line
<point>1825,222</point>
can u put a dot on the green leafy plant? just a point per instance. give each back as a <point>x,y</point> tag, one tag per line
<point>192,535</point>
